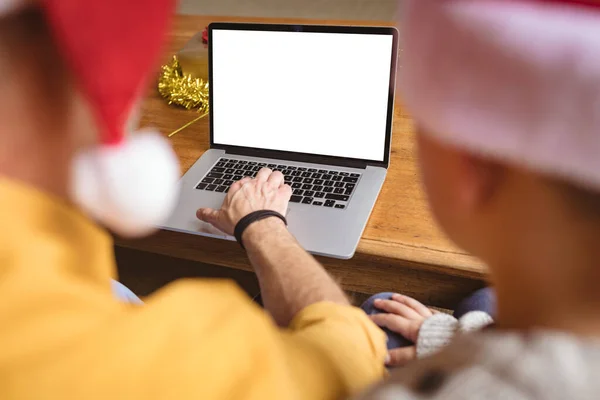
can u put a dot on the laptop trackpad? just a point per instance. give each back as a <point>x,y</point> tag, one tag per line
<point>208,230</point>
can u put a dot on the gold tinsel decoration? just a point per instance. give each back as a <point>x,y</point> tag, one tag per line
<point>183,90</point>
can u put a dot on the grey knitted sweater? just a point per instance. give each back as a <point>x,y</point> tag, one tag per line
<point>494,365</point>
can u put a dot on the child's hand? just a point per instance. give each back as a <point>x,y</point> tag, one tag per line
<point>404,315</point>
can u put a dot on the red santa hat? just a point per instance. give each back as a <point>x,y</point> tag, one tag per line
<point>513,80</point>
<point>128,182</point>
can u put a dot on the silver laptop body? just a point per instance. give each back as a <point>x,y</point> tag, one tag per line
<point>315,102</point>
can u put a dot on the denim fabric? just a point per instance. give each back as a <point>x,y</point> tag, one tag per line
<point>124,294</point>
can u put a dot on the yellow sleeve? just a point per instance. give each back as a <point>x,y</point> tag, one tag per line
<point>202,340</point>
<point>64,336</point>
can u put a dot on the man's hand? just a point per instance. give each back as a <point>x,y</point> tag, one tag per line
<point>290,278</point>
<point>404,315</point>
<point>266,192</point>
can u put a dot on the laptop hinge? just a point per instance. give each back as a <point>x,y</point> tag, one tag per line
<point>297,157</point>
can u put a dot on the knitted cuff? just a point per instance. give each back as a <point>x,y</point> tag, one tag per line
<point>439,330</point>
<point>474,321</point>
<point>436,332</point>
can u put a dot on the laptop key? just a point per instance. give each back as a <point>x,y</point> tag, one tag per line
<point>221,189</point>
<point>319,195</point>
<point>228,183</point>
<point>248,173</point>
<point>242,162</point>
<point>211,188</point>
<point>322,171</point>
<point>306,186</point>
<point>350,180</point>
<point>296,185</point>
<point>328,189</point>
<point>308,180</point>
<point>312,170</point>
<point>328,183</point>
<point>256,169</point>
<point>252,163</point>
<point>219,181</point>
<point>239,172</point>
<point>340,206</point>
<point>339,185</point>
<point>297,179</point>
<point>332,172</point>
<point>319,181</point>
<point>262,164</point>
<point>326,177</point>
<point>292,168</point>
<point>307,200</point>
<point>302,169</point>
<point>350,185</point>
<point>281,167</point>
<point>217,169</point>
<point>237,177</point>
<point>224,159</point>
<point>317,176</point>
<point>272,166</point>
<point>344,174</point>
<point>338,191</point>
<point>318,188</point>
<point>306,174</point>
<point>296,173</point>
<point>317,203</point>
<point>309,193</point>
<point>338,197</point>
<point>355,175</point>
<point>298,192</point>
<point>295,199</point>
<point>337,178</point>
<point>329,203</point>
<point>248,167</point>
<point>201,186</point>
<point>214,175</point>
<point>220,164</point>
<point>208,180</point>
<point>348,191</point>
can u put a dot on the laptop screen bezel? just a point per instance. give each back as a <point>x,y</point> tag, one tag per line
<point>306,157</point>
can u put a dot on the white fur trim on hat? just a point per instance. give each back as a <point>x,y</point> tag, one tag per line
<point>131,187</point>
<point>515,80</point>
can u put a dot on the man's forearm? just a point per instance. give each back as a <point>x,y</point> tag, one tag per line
<point>289,277</point>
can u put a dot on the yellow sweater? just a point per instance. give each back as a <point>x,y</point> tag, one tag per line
<point>64,336</point>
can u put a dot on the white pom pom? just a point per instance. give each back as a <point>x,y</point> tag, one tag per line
<point>131,188</point>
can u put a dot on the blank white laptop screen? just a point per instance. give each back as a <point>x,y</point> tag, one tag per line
<point>316,93</point>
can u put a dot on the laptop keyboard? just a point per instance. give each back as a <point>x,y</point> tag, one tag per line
<point>312,186</point>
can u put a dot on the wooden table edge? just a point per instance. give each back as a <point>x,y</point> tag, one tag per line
<point>198,248</point>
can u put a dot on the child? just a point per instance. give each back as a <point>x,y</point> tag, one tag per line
<point>506,95</point>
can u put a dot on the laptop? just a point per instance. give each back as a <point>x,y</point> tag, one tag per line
<point>314,102</point>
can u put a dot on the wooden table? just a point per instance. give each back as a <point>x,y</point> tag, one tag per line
<point>401,249</point>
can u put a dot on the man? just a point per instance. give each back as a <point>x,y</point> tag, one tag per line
<point>63,333</point>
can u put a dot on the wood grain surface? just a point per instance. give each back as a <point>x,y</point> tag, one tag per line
<point>401,235</point>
